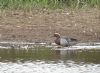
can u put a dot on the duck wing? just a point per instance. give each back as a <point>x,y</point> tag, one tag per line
<point>68,39</point>
<point>73,39</point>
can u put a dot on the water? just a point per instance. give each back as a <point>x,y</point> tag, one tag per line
<point>46,60</point>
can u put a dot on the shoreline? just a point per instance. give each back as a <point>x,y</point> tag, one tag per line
<point>32,45</point>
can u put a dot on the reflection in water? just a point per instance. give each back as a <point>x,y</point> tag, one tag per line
<point>49,61</point>
<point>86,56</point>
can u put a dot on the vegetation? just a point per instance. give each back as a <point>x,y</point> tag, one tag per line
<point>30,4</point>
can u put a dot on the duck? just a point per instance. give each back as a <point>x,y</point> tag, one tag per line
<point>64,41</point>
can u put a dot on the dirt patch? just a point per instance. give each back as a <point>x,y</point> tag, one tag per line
<point>39,26</point>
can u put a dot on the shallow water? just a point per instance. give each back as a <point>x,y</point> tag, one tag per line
<point>46,60</point>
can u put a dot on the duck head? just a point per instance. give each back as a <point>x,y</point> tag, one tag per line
<point>57,35</point>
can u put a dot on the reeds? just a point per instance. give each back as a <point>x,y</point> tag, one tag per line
<point>30,4</point>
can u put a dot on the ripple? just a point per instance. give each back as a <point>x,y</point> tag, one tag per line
<point>44,67</point>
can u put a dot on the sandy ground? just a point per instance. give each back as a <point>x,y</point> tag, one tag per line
<point>39,26</point>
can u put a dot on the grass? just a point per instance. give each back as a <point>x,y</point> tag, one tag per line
<point>52,4</point>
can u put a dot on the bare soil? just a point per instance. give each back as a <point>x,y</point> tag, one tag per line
<point>39,26</point>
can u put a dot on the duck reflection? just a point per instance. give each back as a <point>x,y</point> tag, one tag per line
<point>86,56</point>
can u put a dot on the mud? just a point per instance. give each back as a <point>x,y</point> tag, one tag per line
<point>39,26</point>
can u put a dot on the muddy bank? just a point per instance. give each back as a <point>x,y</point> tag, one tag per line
<point>39,26</point>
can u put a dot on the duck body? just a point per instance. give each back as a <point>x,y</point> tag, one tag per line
<point>65,41</point>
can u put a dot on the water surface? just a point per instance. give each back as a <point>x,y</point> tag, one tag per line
<point>46,60</point>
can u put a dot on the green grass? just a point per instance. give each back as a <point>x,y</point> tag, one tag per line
<point>52,4</point>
